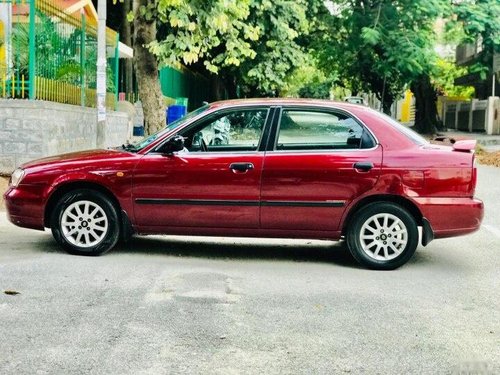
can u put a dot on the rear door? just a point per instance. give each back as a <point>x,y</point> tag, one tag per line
<point>318,161</point>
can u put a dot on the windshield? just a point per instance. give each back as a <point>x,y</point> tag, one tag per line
<point>147,140</point>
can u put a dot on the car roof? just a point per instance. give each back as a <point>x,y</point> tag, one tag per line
<point>289,102</point>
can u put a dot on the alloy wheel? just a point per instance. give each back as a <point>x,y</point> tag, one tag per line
<point>84,224</point>
<point>383,236</point>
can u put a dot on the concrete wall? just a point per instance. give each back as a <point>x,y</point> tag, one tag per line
<point>475,115</point>
<point>34,129</point>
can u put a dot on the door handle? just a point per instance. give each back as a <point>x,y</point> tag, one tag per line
<point>241,167</point>
<point>363,166</point>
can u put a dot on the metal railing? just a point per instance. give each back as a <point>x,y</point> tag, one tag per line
<point>49,52</point>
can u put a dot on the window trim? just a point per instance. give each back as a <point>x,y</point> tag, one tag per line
<point>217,113</point>
<point>273,141</point>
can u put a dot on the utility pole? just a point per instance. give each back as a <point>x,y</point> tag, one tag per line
<point>495,67</point>
<point>101,73</point>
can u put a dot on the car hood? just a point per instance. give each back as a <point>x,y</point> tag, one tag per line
<point>80,156</point>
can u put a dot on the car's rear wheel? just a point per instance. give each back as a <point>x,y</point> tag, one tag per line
<point>382,235</point>
<point>85,222</point>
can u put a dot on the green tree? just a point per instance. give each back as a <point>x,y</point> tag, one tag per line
<point>479,21</point>
<point>146,65</point>
<point>174,32</point>
<point>381,46</point>
<point>443,79</point>
<point>281,47</point>
<point>301,77</point>
<point>249,46</point>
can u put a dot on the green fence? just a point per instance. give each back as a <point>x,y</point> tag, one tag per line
<point>48,53</point>
<point>184,83</point>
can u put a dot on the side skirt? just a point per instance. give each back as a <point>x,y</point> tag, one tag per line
<point>240,232</point>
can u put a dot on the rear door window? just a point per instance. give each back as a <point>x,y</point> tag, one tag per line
<point>317,130</point>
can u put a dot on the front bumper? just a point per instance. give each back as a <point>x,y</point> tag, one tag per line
<point>25,206</point>
<point>451,217</point>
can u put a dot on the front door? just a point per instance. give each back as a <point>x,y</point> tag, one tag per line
<point>319,162</point>
<point>214,182</point>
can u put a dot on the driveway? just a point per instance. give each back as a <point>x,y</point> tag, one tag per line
<point>168,305</point>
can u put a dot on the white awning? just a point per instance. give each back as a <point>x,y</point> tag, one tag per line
<point>124,51</point>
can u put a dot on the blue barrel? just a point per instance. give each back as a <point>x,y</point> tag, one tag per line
<point>138,131</point>
<point>175,112</point>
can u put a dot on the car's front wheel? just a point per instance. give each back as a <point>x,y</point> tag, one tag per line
<point>382,235</point>
<point>85,222</point>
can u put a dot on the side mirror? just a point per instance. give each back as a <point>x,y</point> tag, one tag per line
<point>174,144</point>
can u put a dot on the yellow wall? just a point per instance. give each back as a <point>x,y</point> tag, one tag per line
<point>406,107</point>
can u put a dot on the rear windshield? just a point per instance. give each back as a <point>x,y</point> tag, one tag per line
<point>410,133</point>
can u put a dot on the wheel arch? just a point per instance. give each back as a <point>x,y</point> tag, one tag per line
<point>64,188</point>
<point>399,200</point>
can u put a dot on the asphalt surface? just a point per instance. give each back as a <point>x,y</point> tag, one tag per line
<point>173,305</point>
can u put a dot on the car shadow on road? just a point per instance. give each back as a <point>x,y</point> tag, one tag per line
<point>312,251</point>
<point>301,251</point>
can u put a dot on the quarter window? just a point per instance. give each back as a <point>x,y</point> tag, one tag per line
<point>314,130</point>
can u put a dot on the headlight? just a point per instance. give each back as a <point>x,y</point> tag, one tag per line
<point>16,177</point>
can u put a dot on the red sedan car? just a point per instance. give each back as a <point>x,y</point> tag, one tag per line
<point>266,168</point>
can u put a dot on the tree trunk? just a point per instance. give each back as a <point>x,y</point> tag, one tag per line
<point>126,34</point>
<point>426,119</point>
<point>231,87</point>
<point>386,106</point>
<point>388,98</point>
<point>146,70</point>
<point>217,88</point>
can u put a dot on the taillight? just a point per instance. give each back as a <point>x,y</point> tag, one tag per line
<point>474,176</point>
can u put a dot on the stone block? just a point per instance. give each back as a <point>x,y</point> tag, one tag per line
<point>12,124</point>
<point>35,149</point>
<point>5,111</point>
<point>29,136</point>
<point>6,136</point>
<point>32,124</point>
<point>14,148</point>
<point>7,164</point>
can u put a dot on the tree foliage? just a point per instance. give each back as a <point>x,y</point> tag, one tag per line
<point>379,46</point>
<point>284,27</point>
<point>316,89</point>
<point>443,77</point>
<point>304,76</point>
<point>256,46</point>
<point>480,21</point>
<point>214,32</point>
<point>253,44</point>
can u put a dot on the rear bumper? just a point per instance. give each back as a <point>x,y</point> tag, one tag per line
<point>451,217</point>
<point>24,207</point>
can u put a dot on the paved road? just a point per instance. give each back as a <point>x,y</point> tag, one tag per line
<point>173,305</point>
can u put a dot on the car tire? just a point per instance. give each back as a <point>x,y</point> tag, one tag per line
<point>85,222</point>
<point>382,236</point>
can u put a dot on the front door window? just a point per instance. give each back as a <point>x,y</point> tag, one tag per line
<point>239,130</point>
